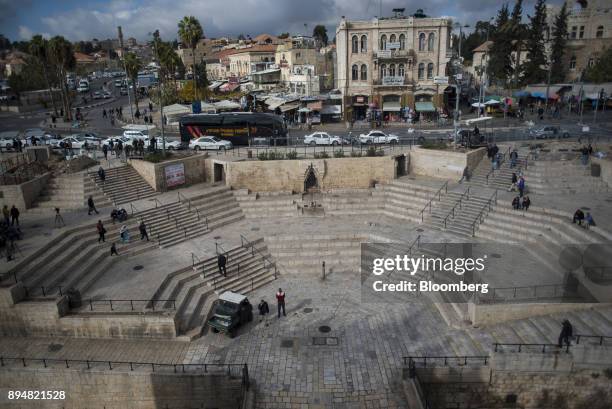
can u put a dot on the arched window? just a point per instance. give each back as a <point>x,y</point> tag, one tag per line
<point>364,44</point>
<point>430,68</point>
<point>383,71</point>
<point>355,73</point>
<point>600,31</point>
<point>421,71</point>
<point>422,42</point>
<point>572,64</point>
<point>430,41</point>
<point>402,41</point>
<point>383,42</point>
<point>392,70</point>
<point>392,39</point>
<point>591,62</point>
<point>364,72</point>
<point>401,71</point>
<point>355,42</point>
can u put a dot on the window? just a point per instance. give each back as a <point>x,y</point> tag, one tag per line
<point>574,30</point>
<point>364,72</point>
<point>421,71</point>
<point>600,31</point>
<point>355,73</point>
<point>572,64</point>
<point>392,39</point>
<point>355,42</point>
<point>422,42</point>
<point>401,71</point>
<point>383,42</point>
<point>430,69</point>
<point>383,71</point>
<point>591,62</point>
<point>402,41</point>
<point>392,70</point>
<point>430,41</point>
<point>364,44</point>
<point>581,35</point>
<point>409,65</point>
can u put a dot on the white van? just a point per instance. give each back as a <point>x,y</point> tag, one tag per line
<point>83,86</point>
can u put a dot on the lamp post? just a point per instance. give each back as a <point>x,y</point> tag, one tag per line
<point>549,71</point>
<point>481,92</point>
<point>457,83</point>
<point>161,102</point>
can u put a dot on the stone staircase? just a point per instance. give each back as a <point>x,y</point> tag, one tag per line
<point>456,212</point>
<point>500,178</point>
<point>405,199</point>
<point>68,191</point>
<point>123,184</point>
<point>75,259</point>
<point>304,253</point>
<point>562,177</point>
<point>216,207</point>
<point>195,288</point>
<point>340,202</point>
<point>267,204</point>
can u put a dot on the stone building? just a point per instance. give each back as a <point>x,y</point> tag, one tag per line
<point>244,61</point>
<point>390,63</point>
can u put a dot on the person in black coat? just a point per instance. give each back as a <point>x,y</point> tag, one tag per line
<point>566,333</point>
<point>221,261</point>
<point>263,308</point>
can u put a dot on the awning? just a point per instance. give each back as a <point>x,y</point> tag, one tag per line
<point>225,104</point>
<point>176,109</point>
<point>331,110</point>
<point>304,110</point>
<point>392,106</point>
<point>289,107</point>
<point>315,106</point>
<point>228,87</point>
<point>424,107</point>
<point>274,103</point>
<point>539,91</point>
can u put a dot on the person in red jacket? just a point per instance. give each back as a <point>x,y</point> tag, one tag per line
<point>280,301</point>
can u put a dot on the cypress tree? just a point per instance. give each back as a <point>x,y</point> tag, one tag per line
<point>559,41</point>
<point>499,66</point>
<point>534,68</point>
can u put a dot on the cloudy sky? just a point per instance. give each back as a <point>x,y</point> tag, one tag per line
<point>81,20</point>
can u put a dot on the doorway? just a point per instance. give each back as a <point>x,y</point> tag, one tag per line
<point>218,173</point>
<point>400,166</point>
<point>311,183</point>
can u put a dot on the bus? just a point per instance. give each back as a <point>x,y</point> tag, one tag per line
<point>240,128</point>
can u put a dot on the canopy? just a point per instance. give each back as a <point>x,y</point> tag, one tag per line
<point>136,127</point>
<point>306,110</point>
<point>478,105</point>
<point>315,106</point>
<point>478,120</point>
<point>331,110</point>
<point>228,87</point>
<point>176,109</point>
<point>539,91</point>
<point>274,102</point>
<point>289,107</point>
<point>492,102</point>
<point>424,107</point>
<point>225,104</point>
<point>393,106</point>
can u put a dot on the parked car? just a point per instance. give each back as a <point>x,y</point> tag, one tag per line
<point>378,137</point>
<point>91,138</point>
<point>140,135</point>
<point>106,95</point>
<point>209,142</point>
<point>322,138</point>
<point>6,140</point>
<point>123,91</point>
<point>171,145</point>
<point>73,142</point>
<point>548,132</point>
<point>97,95</point>
<point>230,311</point>
<point>115,140</point>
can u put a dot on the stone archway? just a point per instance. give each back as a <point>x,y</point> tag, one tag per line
<point>311,181</point>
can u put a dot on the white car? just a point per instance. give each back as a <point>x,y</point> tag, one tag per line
<point>378,137</point>
<point>322,138</point>
<point>115,140</point>
<point>170,145</point>
<point>106,95</point>
<point>209,142</point>
<point>73,142</point>
<point>97,95</point>
<point>140,135</point>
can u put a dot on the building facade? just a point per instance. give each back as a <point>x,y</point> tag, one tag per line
<point>244,61</point>
<point>390,63</point>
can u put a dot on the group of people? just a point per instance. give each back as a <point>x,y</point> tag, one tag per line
<point>580,219</point>
<point>124,235</point>
<point>9,231</point>
<point>264,309</point>
<point>112,114</point>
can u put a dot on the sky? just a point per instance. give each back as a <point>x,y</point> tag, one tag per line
<point>84,20</point>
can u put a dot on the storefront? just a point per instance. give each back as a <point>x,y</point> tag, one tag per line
<point>360,107</point>
<point>392,108</point>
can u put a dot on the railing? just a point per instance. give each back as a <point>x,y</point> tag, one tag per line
<point>445,361</point>
<point>194,257</point>
<point>483,212</point>
<point>439,194</point>
<point>157,202</point>
<point>600,338</point>
<point>416,242</point>
<point>523,347</point>
<point>185,199</point>
<point>112,304</point>
<point>525,292</point>
<point>264,257</point>
<point>465,194</point>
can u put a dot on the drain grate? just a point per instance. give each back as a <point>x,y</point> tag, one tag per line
<point>138,267</point>
<point>286,343</point>
<point>324,329</point>
<point>55,347</point>
<point>307,310</point>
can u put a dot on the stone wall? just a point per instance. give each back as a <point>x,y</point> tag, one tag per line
<point>25,194</point>
<point>120,388</point>
<point>486,314</point>
<point>50,317</point>
<point>606,169</point>
<point>289,175</point>
<point>154,173</point>
<point>443,164</point>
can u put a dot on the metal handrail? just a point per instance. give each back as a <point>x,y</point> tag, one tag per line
<point>133,208</point>
<point>601,338</point>
<point>461,360</point>
<point>156,202</point>
<point>480,215</point>
<point>416,241</point>
<point>263,256</point>
<point>514,290</point>
<point>439,194</point>
<point>193,258</point>
<point>151,302</point>
<point>185,198</point>
<point>452,211</point>
<point>498,346</point>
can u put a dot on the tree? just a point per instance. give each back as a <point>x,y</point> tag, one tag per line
<point>190,31</point>
<point>481,31</point>
<point>518,32</point>
<point>202,75</point>
<point>557,49</point>
<point>5,43</point>
<point>61,56</point>
<point>39,48</point>
<point>31,77</point>
<point>499,66</point>
<point>319,33</point>
<point>282,36</point>
<point>601,72</point>
<point>533,68</point>
<point>132,66</point>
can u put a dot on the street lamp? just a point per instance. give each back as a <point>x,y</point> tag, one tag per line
<point>481,92</point>
<point>457,80</point>
<point>161,102</point>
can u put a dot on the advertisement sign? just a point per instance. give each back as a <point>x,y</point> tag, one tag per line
<point>393,81</point>
<point>441,80</point>
<point>384,54</point>
<point>175,175</point>
<point>393,46</point>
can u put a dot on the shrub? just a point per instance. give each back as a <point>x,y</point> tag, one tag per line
<point>355,154</point>
<point>371,151</point>
<point>274,155</point>
<point>434,145</point>
<point>321,155</point>
<point>291,155</point>
<point>339,153</point>
<point>262,155</point>
<point>157,157</point>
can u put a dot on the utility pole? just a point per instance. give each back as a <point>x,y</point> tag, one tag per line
<point>161,101</point>
<point>549,72</point>
<point>127,82</point>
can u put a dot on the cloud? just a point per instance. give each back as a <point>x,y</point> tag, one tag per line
<point>25,33</point>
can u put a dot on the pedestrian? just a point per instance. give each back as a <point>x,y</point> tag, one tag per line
<point>111,146</point>
<point>585,155</point>
<point>589,221</point>
<point>526,203</point>
<point>137,115</point>
<point>146,119</point>
<point>578,217</point>
<point>280,302</point>
<point>514,180</point>
<point>102,174</point>
<point>516,203</point>
<point>6,214</point>
<point>143,231</point>
<point>105,151</point>
<point>521,186</point>
<point>150,106</point>
<point>14,216</point>
<point>465,176</point>
<point>114,250</point>
<point>513,158</point>
<point>104,113</point>
<point>91,206</point>
<point>124,233</point>
<point>221,262</point>
<point>263,309</point>
<point>101,231</point>
<point>151,119</point>
<point>566,333</point>
<point>59,220</point>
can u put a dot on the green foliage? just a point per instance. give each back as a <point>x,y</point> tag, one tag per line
<point>373,151</point>
<point>355,154</point>
<point>533,71</point>
<point>165,94</point>
<point>559,41</point>
<point>282,36</point>
<point>321,155</point>
<point>475,38</point>
<point>339,153</point>
<point>500,63</point>
<point>30,78</point>
<point>270,155</point>
<point>190,32</point>
<point>601,71</point>
<point>319,33</point>
<point>434,145</point>
<point>292,154</point>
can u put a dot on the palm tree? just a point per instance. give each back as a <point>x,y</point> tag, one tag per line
<point>132,66</point>
<point>39,48</point>
<point>190,32</point>
<point>61,55</point>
